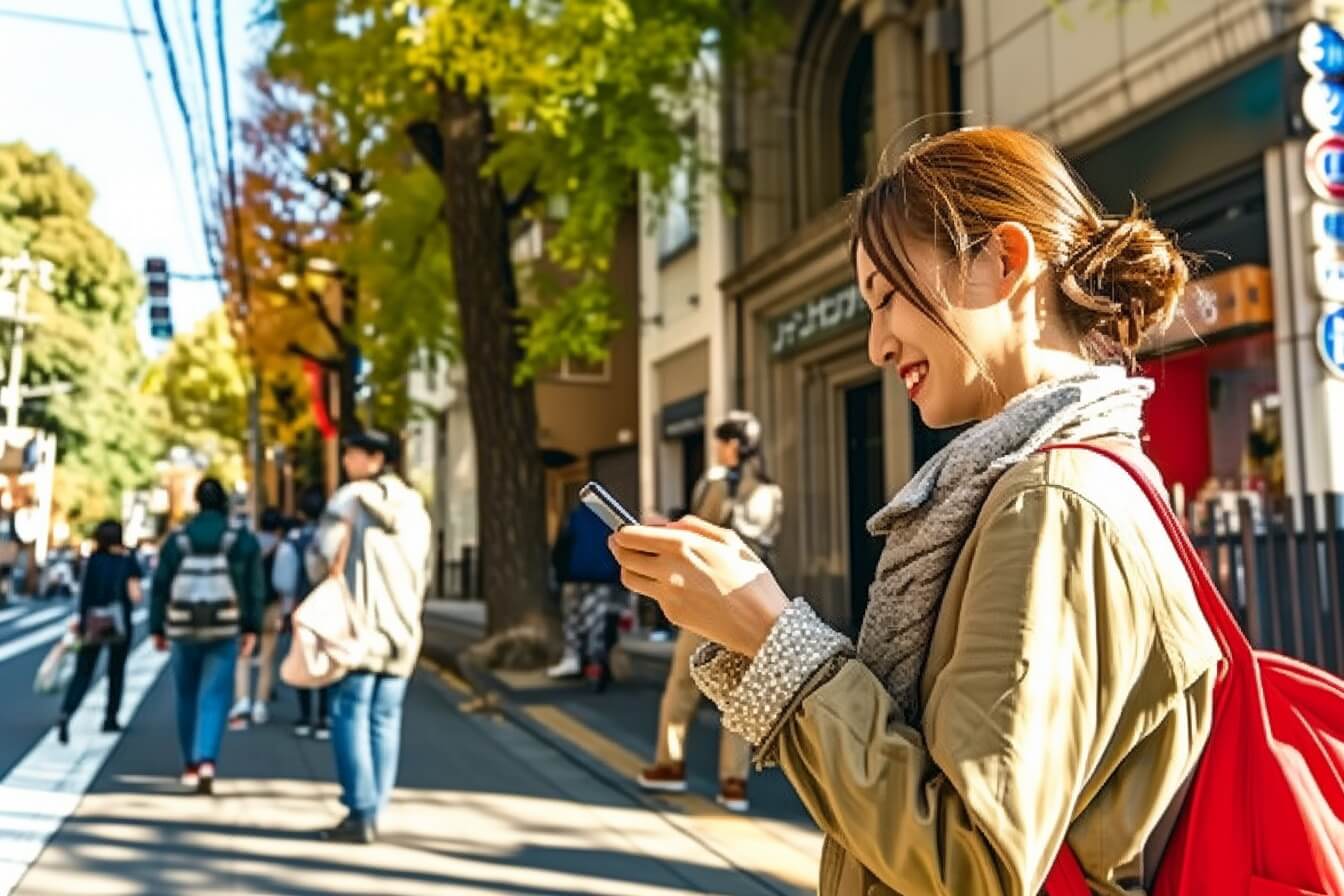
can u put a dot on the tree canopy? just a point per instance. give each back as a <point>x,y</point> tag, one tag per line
<point>106,428</point>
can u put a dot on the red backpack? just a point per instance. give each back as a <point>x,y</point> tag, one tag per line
<point>1264,815</point>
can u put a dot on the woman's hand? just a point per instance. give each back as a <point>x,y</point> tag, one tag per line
<point>704,578</point>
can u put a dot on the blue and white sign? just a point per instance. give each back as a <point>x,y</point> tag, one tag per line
<point>1320,49</point>
<point>1327,225</point>
<point>1328,270</point>
<point>1323,105</point>
<point>1330,340</point>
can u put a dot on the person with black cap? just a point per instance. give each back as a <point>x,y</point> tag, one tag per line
<point>206,598</point>
<point>735,493</point>
<point>376,533</point>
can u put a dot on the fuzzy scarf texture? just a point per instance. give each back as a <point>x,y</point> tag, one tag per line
<point>929,520</point>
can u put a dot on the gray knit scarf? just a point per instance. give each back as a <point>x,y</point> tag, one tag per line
<point>928,521</point>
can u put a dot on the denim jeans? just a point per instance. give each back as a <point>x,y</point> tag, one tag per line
<point>366,737</point>
<point>203,675</point>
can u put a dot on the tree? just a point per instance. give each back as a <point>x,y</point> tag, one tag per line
<point>107,430</point>
<point>536,113</point>
<point>202,381</point>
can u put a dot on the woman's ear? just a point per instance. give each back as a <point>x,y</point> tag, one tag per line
<point>1014,251</point>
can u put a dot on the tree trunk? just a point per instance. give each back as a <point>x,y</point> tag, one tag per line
<point>511,480</point>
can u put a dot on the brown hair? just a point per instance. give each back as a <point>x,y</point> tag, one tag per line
<point>1122,275</point>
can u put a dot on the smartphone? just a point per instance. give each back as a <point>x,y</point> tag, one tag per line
<point>608,509</point>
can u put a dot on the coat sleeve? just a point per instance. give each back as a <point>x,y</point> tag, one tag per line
<point>979,805</point>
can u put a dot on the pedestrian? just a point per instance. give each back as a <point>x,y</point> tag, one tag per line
<point>735,493</point>
<point>590,595</point>
<point>293,580</point>
<point>1033,668</point>
<point>376,531</point>
<point>206,599</point>
<point>248,704</point>
<point>111,585</point>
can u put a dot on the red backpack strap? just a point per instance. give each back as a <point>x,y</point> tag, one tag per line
<point>1066,876</point>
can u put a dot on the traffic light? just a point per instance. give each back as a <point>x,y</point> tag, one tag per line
<point>160,311</point>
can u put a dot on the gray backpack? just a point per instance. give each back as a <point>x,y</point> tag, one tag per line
<point>202,603</point>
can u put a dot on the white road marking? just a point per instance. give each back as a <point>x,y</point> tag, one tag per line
<point>47,785</point>
<point>50,633</point>
<point>33,620</point>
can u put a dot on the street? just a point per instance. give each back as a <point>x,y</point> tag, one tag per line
<point>535,800</point>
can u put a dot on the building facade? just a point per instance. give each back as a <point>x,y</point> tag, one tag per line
<point>1191,110</point>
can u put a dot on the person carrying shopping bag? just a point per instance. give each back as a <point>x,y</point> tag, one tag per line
<point>111,585</point>
<point>375,538</point>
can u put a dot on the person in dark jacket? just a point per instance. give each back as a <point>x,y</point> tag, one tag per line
<point>111,584</point>
<point>207,558</point>
<point>590,594</point>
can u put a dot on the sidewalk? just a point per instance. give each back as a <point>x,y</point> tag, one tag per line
<point>522,804</point>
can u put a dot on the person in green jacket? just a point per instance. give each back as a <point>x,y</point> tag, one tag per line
<point>206,599</point>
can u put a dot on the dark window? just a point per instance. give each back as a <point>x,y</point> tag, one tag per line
<point>858,150</point>
<point>866,490</point>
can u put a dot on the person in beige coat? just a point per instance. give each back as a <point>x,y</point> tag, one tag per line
<point>1032,669</point>
<point>735,493</point>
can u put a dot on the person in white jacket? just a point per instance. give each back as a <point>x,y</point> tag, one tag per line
<point>738,494</point>
<point>375,529</point>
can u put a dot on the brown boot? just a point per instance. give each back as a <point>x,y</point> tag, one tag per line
<point>667,777</point>
<point>733,795</point>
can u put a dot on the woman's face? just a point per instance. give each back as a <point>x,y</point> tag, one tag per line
<point>943,379</point>
<point>726,452</point>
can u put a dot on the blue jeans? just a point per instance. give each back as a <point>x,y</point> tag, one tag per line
<point>203,674</point>
<point>366,737</point>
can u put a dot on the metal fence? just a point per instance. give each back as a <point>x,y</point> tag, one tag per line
<point>1280,567</point>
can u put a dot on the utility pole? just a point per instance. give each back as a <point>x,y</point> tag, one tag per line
<point>15,277</point>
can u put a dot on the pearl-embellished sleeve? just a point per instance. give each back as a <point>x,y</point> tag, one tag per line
<point>756,695</point>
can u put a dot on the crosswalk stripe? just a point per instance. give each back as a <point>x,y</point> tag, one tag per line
<point>33,620</point>
<point>10,612</point>
<point>16,646</point>
<point>47,785</point>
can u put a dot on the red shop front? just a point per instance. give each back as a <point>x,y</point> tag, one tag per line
<point>1212,426</point>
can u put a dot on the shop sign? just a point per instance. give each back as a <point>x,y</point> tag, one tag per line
<point>683,418</point>
<point>1327,224</point>
<point>1238,297</point>
<point>1330,340</point>
<point>1325,166</point>
<point>1320,50</point>
<point>1323,105</point>
<point>833,312</point>
<point>1328,271</point>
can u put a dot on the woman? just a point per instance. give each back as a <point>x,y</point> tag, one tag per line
<point>111,584</point>
<point>1032,667</point>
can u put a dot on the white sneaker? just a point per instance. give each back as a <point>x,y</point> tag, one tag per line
<point>568,667</point>
<point>260,714</point>
<point>239,715</point>
<point>303,729</point>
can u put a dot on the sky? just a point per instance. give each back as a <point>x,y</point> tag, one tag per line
<point>82,93</point>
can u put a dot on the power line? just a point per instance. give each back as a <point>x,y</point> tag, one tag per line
<point>72,23</point>
<point>158,114</point>
<point>191,136</point>
<point>228,146</point>
<point>205,83</point>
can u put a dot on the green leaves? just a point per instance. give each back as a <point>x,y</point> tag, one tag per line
<point>584,97</point>
<point>107,437</point>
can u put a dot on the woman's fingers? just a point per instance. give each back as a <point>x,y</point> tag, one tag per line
<point>650,539</point>
<point>639,562</point>
<point>706,530</point>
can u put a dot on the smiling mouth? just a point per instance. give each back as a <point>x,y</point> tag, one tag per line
<point>913,375</point>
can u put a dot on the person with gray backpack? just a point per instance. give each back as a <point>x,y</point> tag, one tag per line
<point>206,600</point>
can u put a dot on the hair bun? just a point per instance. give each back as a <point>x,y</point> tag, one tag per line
<point>1128,272</point>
